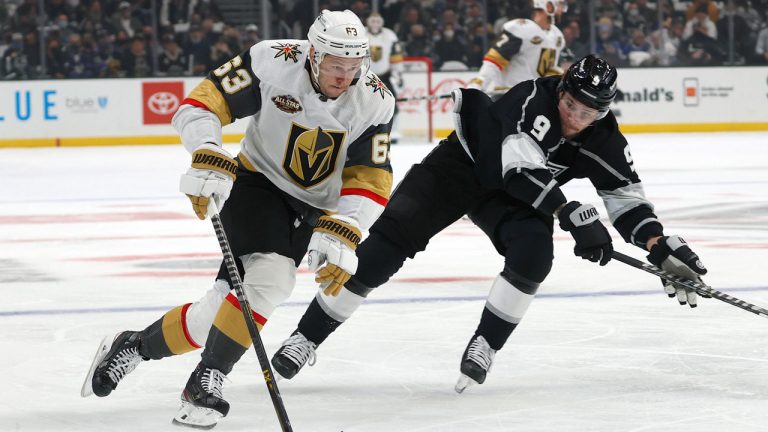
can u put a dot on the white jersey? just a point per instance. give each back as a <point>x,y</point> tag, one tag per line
<point>522,52</point>
<point>313,148</point>
<point>385,50</point>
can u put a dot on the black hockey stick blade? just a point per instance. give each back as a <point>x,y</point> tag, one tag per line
<point>699,288</point>
<point>245,308</point>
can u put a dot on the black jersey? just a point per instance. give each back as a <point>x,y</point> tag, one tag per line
<point>517,145</point>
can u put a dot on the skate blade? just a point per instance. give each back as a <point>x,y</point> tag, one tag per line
<point>464,383</point>
<point>101,352</point>
<point>196,417</point>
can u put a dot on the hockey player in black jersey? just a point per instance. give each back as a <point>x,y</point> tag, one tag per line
<point>503,165</point>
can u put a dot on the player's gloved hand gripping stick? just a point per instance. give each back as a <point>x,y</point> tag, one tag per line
<point>700,288</point>
<point>671,253</point>
<point>333,245</point>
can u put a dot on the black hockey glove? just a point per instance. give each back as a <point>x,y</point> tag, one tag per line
<point>592,239</point>
<point>672,254</point>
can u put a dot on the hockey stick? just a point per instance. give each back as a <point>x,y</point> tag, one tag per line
<point>497,91</point>
<point>699,288</point>
<point>245,308</point>
<point>424,98</point>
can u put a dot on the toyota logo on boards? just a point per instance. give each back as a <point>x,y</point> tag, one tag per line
<point>161,100</point>
<point>163,103</point>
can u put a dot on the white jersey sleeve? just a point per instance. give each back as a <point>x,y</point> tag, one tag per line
<point>523,51</point>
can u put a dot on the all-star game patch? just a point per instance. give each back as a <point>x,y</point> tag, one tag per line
<point>287,103</point>
<point>377,85</point>
<point>288,51</point>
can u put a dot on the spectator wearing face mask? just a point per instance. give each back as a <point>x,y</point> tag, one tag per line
<point>608,44</point>
<point>449,48</point>
<point>632,17</point>
<point>125,21</point>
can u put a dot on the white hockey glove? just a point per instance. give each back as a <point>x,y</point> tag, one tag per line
<point>592,239</point>
<point>211,176</point>
<point>672,254</point>
<point>479,83</point>
<point>333,245</point>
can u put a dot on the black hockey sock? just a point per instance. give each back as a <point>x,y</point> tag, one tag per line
<point>316,325</point>
<point>494,329</point>
<point>153,345</point>
<point>221,352</point>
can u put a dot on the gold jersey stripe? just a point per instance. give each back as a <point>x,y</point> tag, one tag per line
<point>395,58</point>
<point>230,321</point>
<point>207,94</point>
<point>375,180</point>
<point>174,334</point>
<point>496,58</point>
<point>246,163</point>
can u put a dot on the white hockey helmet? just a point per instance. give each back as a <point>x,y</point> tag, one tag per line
<point>548,6</point>
<point>341,34</point>
<point>375,23</point>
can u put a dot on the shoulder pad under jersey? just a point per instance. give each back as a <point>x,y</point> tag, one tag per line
<point>377,102</point>
<point>275,59</point>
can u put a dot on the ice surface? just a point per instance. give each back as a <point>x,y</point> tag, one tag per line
<point>96,240</point>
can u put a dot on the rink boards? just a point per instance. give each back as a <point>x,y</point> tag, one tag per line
<point>138,111</point>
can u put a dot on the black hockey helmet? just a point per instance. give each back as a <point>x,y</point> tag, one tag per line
<point>592,81</point>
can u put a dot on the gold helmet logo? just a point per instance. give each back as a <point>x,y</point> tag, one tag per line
<point>311,154</point>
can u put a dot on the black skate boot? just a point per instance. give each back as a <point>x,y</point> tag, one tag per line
<point>475,363</point>
<point>293,355</point>
<point>202,404</point>
<point>117,356</point>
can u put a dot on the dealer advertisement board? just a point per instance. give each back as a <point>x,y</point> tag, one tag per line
<point>138,111</point>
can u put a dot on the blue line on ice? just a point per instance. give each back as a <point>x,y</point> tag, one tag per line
<point>373,301</point>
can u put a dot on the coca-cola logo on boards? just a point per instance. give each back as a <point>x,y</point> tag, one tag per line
<point>416,94</point>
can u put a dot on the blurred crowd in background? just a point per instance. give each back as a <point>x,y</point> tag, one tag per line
<point>140,38</point>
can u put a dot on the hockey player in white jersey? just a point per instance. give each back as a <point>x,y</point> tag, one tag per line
<point>526,49</point>
<point>386,52</point>
<point>313,171</point>
<point>386,59</point>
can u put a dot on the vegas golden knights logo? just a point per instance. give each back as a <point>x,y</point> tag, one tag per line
<point>310,156</point>
<point>376,53</point>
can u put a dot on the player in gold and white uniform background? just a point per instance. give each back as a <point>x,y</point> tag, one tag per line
<point>526,49</point>
<point>386,59</point>
<point>313,171</point>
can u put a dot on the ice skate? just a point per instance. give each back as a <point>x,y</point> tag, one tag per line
<point>117,356</point>
<point>202,403</point>
<point>293,355</point>
<point>475,363</point>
